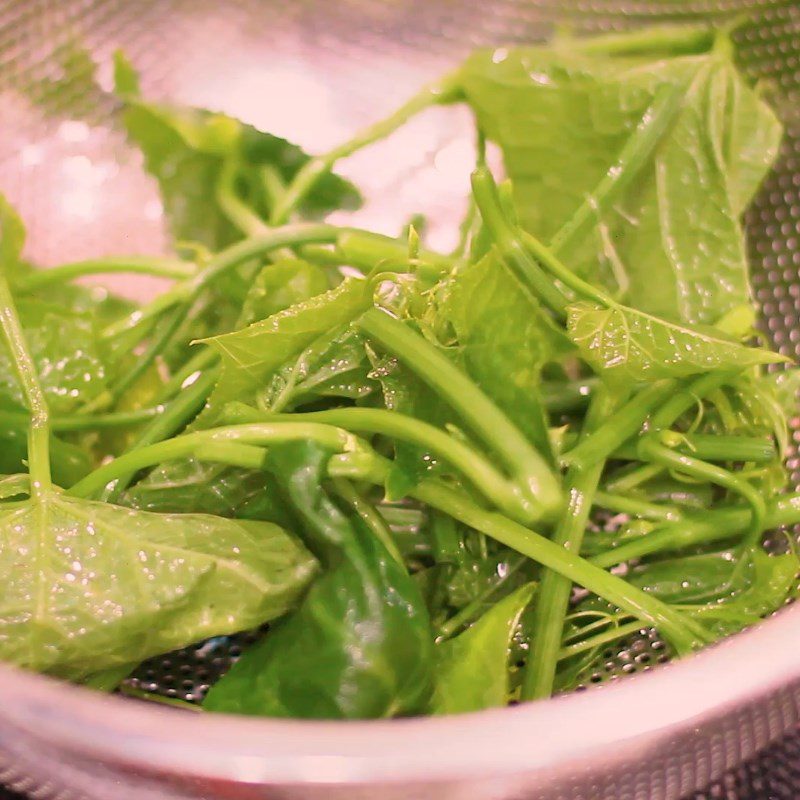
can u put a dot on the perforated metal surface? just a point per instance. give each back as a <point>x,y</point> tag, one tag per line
<point>64,161</point>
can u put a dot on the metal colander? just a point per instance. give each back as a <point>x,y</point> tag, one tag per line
<point>315,72</point>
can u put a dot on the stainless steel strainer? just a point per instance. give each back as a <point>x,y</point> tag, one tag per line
<point>316,71</point>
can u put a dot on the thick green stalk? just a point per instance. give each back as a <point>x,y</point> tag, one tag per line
<point>478,470</point>
<point>203,360</point>
<point>134,265</point>
<point>192,444</point>
<point>370,516</point>
<point>552,600</point>
<point>710,447</point>
<point>443,91</point>
<point>700,529</point>
<point>667,39</point>
<point>681,631</point>
<point>635,507</point>
<point>169,325</point>
<point>634,155</point>
<point>560,397</point>
<point>83,422</point>
<point>620,426</point>
<point>513,253</point>
<point>525,465</point>
<point>234,208</point>
<point>680,402</point>
<point>39,430</point>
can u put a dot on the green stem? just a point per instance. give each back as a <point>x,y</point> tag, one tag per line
<point>552,600</point>
<point>192,444</point>
<point>244,456</point>
<point>668,39</point>
<point>234,208</point>
<point>634,155</point>
<point>526,466</point>
<point>200,362</point>
<point>612,635</point>
<point>685,634</point>
<point>691,531</point>
<point>472,610</point>
<point>170,325</point>
<point>175,416</point>
<point>620,426</point>
<point>620,483</point>
<point>682,401</point>
<point>367,251</point>
<point>443,91</point>
<point>134,265</point>
<point>682,632</point>
<point>559,270</point>
<point>625,504</point>
<point>82,422</point>
<point>652,450</point>
<point>513,253</point>
<point>480,472</point>
<point>560,397</point>
<point>272,183</point>
<point>371,518</point>
<point>755,449</point>
<point>39,430</point>
<point>187,291</point>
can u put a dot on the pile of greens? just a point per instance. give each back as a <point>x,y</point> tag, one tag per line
<point>405,461</point>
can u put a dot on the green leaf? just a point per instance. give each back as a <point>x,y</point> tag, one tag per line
<point>333,366</point>
<point>359,646</point>
<point>191,486</point>
<point>61,335</point>
<point>729,591</point>
<point>505,339</point>
<point>282,284</point>
<point>624,344</point>
<point>65,349</point>
<point>472,669</point>
<point>185,149</point>
<point>671,241</point>
<point>92,586</point>
<point>251,356</point>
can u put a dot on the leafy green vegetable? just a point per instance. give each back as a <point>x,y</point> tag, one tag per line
<point>252,355</point>
<point>192,486</point>
<point>282,284</point>
<point>333,366</point>
<point>729,591</point>
<point>505,340</point>
<point>188,149</point>
<point>569,390</point>
<point>671,242</point>
<point>92,586</point>
<point>628,345</point>
<point>472,668</point>
<point>404,392</point>
<point>359,645</point>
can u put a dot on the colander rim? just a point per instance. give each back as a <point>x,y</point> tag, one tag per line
<point>594,726</point>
